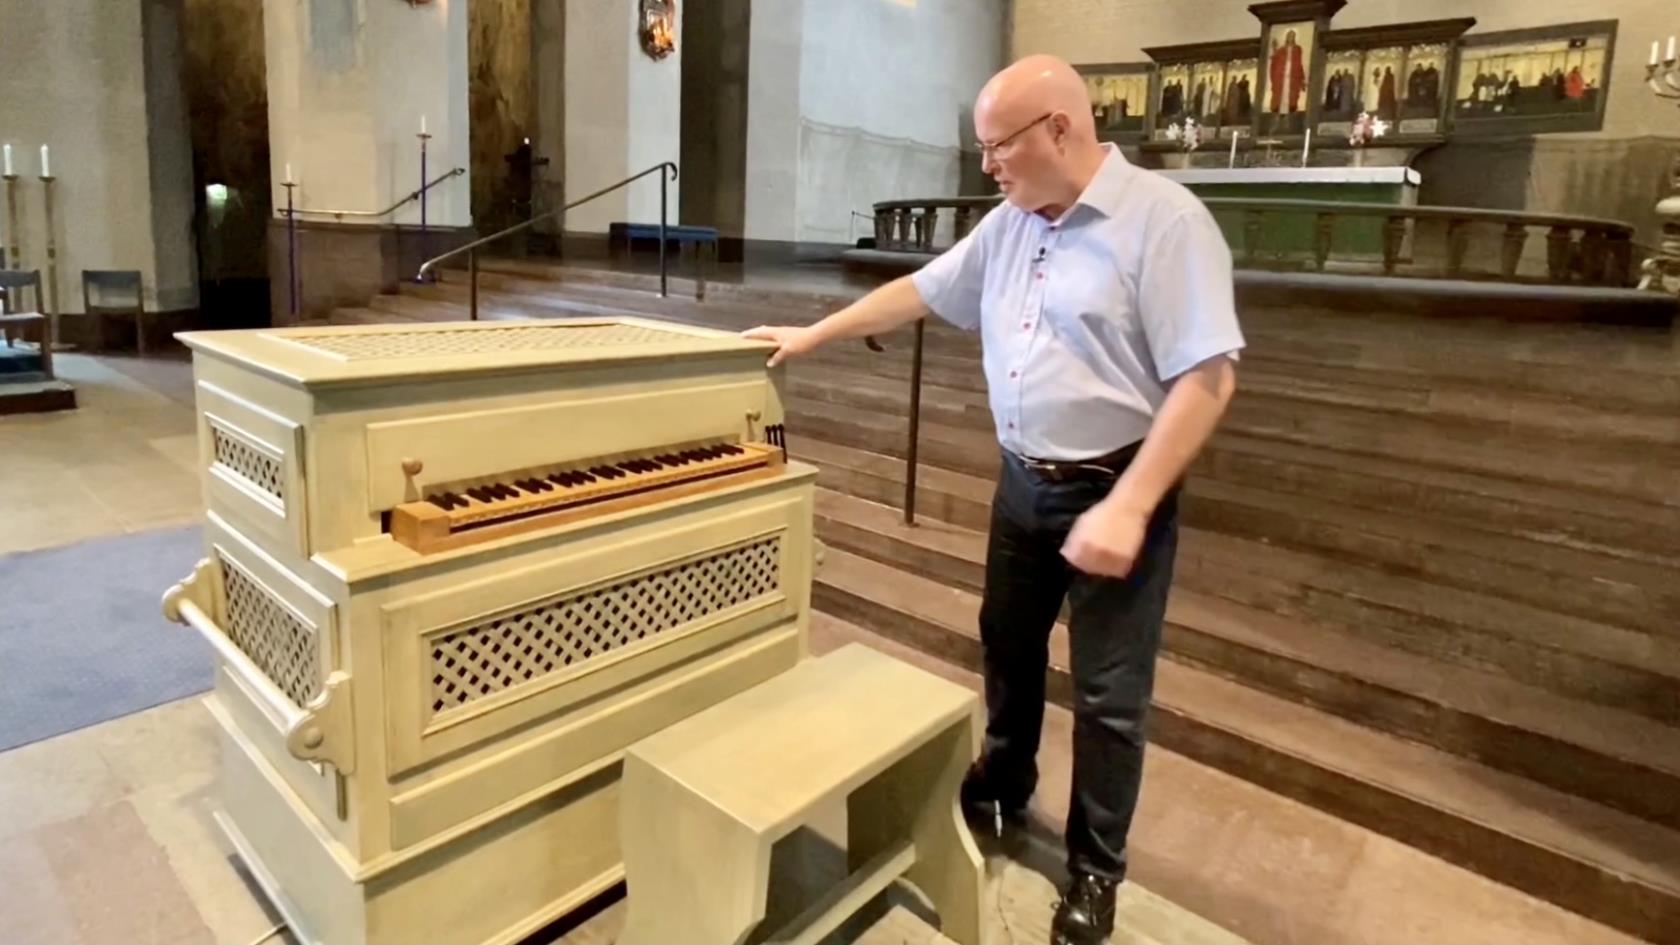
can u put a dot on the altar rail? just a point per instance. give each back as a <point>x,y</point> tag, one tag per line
<point>1426,241</point>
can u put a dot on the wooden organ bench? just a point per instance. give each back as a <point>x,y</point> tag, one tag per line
<point>452,571</point>
<point>706,799</point>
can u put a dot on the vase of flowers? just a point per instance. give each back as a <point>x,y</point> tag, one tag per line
<point>1188,136</point>
<point>1366,129</point>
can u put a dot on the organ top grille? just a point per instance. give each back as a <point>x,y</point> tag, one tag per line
<point>537,337</point>
<point>367,354</point>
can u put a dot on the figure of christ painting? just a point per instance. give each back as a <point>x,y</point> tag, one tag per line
<point>1236,102</point>
<point>1545,77</point>
<point>1118,101</point>
<point>1341,99</point>
<point>1207,98</point>
<point>1289,55</point>
<point>1173,105</point>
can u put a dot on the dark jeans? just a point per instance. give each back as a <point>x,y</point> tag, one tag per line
<point>1114,630</point>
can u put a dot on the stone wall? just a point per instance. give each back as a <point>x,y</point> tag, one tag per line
<point>499,91</point>
<point>74,75</point>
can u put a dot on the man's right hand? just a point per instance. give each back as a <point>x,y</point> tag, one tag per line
<point>791,340</point>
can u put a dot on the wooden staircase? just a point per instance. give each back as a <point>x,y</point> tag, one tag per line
<point>1428,579</point>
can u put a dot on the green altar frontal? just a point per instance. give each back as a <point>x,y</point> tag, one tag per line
<point>1292,235</point>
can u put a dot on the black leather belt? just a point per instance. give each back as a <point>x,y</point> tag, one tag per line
<point>1106,466</point>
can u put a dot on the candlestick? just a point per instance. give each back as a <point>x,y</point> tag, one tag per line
<point>424,243</point>
<point>49,337</point>
<point>291,248</point>
<point>16,258</point>
<point>46,167</point>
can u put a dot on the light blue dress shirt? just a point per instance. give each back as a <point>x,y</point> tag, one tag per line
<point>1083,320</point>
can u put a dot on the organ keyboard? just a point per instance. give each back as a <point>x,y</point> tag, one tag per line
<point>451,572</point>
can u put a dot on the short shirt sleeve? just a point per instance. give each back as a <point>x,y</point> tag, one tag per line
<point>1185,295</point>
<point>953,282</point>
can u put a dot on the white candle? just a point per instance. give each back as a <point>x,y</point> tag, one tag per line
<point>1654,47</point>
<point>1306,145</point>
<point>422,124</point>
<point>8,160</point>
<point>46,168</point>
<point>1671,49</point>
<point>1234,136</point>
<point>288,172</point>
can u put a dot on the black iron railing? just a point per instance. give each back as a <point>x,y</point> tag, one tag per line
<point>471,249</point>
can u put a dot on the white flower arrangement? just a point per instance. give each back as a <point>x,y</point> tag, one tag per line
<point>1366,128</point>
<point>1188,134</point>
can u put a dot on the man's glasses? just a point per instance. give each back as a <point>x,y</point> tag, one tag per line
<point>993,150</point>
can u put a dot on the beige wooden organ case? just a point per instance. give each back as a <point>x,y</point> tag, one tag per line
<point>451,572</point>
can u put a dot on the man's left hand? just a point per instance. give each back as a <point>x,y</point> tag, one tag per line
<point>1106,539</point>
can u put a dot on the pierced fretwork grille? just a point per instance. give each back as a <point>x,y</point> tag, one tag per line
<point>281,644</point>
<point>481,660</point>
<point>444,341</point>
<point>240,457</point>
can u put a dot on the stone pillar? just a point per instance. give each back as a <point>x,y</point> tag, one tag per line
<point>623,114</point>
<point>348,84</point>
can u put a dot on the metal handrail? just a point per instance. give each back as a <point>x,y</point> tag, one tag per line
<point>375,214</point>
<point>471,249</point>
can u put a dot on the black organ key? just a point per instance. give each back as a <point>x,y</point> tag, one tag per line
<point>440,501</point>
<point>480,493</point>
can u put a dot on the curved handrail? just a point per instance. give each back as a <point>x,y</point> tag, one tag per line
<point>376,214</point>
<point>426,266</point>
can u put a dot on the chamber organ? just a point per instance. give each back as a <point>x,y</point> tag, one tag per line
<point>451,572</point>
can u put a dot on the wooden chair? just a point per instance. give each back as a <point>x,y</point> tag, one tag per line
<point>15,317</point>
<point>704,800</point>
<point>121,294</point>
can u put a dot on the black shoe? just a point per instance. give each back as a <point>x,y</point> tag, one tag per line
<point>1085,916</point>
<point>984,802</point>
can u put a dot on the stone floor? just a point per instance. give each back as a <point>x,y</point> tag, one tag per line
<point>107,835</point>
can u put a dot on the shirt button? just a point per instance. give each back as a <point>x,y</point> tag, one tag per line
<point>1014,373</point>
<point>1011,424</point>
<point>1041,275</point>
<point>1027,325</point>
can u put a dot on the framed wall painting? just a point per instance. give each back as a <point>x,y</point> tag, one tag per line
<point>1398,73</point>
<point>1533,81</point>
<point>1288,49</point>
<point>1119,96</point>
<point>1213,83</point>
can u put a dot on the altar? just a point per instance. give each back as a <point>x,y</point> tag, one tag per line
<point>1292,235</point>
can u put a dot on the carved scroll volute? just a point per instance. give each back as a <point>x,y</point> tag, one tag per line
<point>326,732</point>
<point>198,587</point>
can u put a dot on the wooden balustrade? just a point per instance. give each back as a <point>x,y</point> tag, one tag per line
<point>1336,236</point>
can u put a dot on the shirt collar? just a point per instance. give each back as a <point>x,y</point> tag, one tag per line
<point>1103,192</point>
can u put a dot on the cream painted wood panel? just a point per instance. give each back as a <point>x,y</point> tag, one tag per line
<point>428,746</point>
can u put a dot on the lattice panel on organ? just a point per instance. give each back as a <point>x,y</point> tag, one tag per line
<point>478,661</point>
<point>282,644</point>
<point>237,455</point>
<point>449,341</point>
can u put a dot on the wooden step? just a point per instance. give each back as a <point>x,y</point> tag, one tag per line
<point>941,494</point>
<point>1616,590</point>
<point>964,450</point>
<point>1584,856</point>
<point>1572,656</point>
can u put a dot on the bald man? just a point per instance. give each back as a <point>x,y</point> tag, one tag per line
<point>1102,293</point>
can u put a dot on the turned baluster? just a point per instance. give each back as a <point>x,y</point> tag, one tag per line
<point>883,229</point>
<point>901,218</point>
<point>1595,246</point>
<point>1252,220</point>
<point>1325,234</point>
<point>1557,254</point>
<point>1620,255</point>
<point>1511,249</point>
<point>962,222</point>
<point>1394,233</point>
<point>926,222</point>
<point>1458,244</point>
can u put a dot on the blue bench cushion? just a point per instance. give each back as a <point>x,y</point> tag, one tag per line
<point>686,234</point>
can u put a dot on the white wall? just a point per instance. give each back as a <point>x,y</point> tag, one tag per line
<point>73,76</point>
<point>623,114</point>
<point>880,110</point>
<point>345,104</point>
